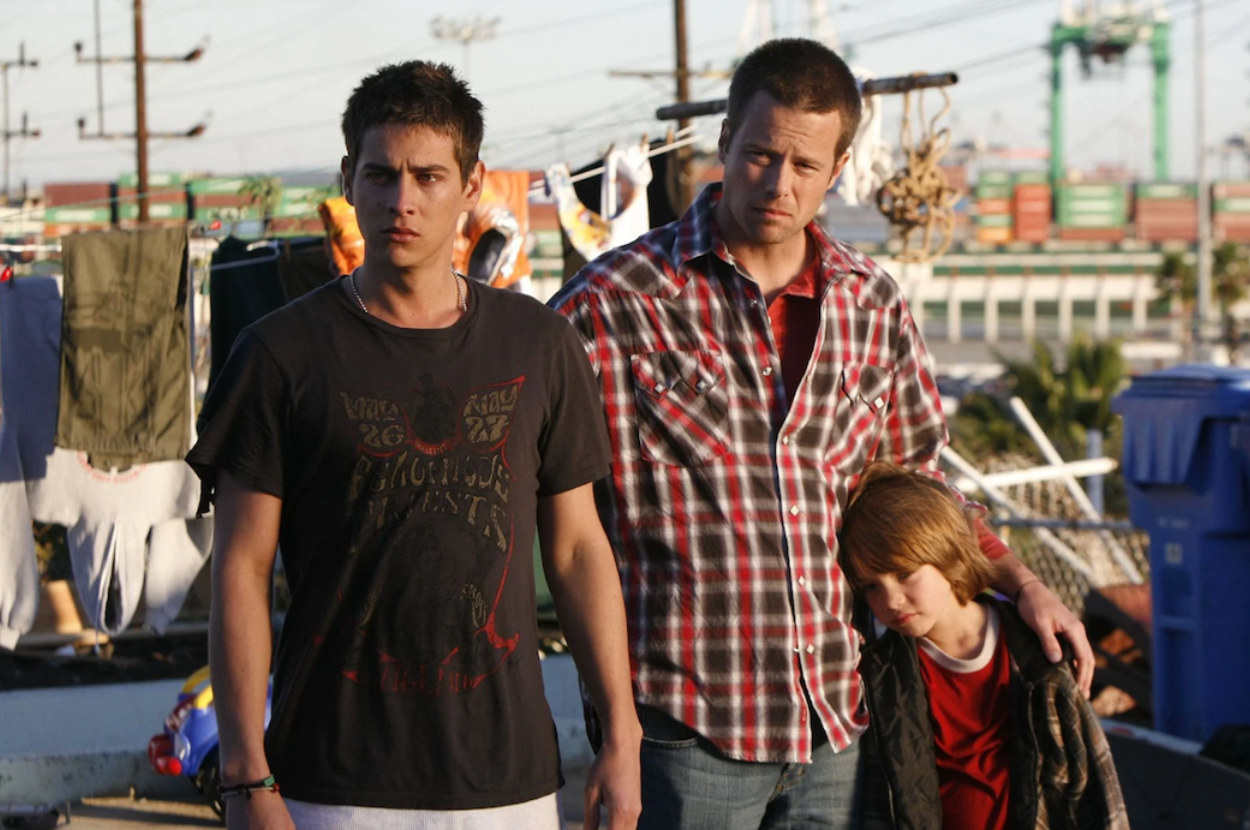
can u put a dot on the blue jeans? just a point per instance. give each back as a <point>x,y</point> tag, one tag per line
<point>688,785</point>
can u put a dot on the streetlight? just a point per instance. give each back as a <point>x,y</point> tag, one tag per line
<point>465,31</point>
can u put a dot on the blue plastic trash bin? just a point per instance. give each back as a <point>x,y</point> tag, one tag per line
<point>1187,470</point>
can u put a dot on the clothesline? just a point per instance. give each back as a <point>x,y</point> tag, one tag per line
<point>682,138</point>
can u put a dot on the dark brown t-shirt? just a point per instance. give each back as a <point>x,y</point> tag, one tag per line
<point>409,463</point>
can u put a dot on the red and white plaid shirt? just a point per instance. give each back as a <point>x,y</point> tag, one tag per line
<point>725,498</point>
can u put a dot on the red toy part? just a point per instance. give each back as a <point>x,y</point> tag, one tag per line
<point>161,755</point>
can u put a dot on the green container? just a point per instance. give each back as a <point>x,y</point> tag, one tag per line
<point>288,209</point>
<point>993,220</point>
<point>1167,190</point>
<point>994,177</point>
<point>1082,192</point>
<point>1090,220</point>
<point>1109,206</point>
<point>994,191</point>
<point>156,210</point>
<point>206,187</point>
<point>154,180</point>
<point>308,193</point>
<point>77,215</point>
<point>1032,177</point>
<point>1239,204</point>
<point>228,213</point>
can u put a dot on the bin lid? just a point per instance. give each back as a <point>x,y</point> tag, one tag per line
<point>1164,413</point>
<point>1207,392</point>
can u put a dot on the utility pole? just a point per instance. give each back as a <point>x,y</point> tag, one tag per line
<point>25,131</point>
<point>685,176</point>
<point>1202,338</point>
<point>682,73</point>
<point>141,133</point>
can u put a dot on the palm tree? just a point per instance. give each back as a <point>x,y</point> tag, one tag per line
<point>1177,280</point>
<point>1067,402</point>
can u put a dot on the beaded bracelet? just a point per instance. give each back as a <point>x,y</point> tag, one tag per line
<point>247,788</point>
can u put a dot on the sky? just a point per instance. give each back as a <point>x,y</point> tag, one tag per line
<point>275,75</point>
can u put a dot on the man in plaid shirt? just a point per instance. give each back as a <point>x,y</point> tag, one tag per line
<point>750,368</point>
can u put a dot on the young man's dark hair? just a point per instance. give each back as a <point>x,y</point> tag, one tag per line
<point>801,74</point>
<point>416,94</point>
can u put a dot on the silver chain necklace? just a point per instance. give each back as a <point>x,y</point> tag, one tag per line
<point>462,302</point>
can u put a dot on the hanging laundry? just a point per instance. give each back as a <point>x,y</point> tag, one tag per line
<point>247,280</point>
<point>872,159</point>
<point>343,234</point>
<point>177,549</point>
<point>490,241</point>
<point>19,589</point>
<point>125,381</point>
<point>243,286</point>
<point>108,514</point>
<point>304,264</point>
<point>621,214</point>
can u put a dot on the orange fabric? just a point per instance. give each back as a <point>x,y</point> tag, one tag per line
<point>347,246</point>
<point>506,189</point>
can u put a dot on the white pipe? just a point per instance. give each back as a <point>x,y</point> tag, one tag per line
<point>1000,498</point>
<point>1078,493</point>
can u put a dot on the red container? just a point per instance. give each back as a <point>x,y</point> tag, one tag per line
<point>87,194</point>
<point>1230,190</point>
<point>1092,234</point>
<point>164,195</point>
<point>1032,191</point>
<point>219,200</point>
<point>1167,231</point>
<point>1033,206</point>
<point>956,176</point>
<point>1031,233</point>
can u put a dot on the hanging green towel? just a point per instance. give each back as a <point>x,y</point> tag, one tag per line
<point>125,354</point>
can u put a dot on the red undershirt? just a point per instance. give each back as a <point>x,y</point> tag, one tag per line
<point>970,715</point>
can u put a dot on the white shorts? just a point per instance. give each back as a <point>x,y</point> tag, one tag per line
<point>539,814</point>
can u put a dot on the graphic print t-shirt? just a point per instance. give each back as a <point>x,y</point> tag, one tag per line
<point>409,463</point>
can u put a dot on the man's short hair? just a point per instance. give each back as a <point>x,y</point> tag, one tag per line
<point>899,519</point>
<point>416,94</point>
<point>801,74</point>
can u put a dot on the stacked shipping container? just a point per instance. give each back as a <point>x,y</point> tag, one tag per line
<point>1166,212</point>
<point>1092,212</point>
<point>76,207</point>
<point>167,200</point>
<point>1230,212</point>
<point>993,218</point>
<point>1031,203</point>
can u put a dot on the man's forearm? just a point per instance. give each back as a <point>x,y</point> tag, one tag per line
<point>1010,575</point>
<point>240,631</point>
<point>240,634</point>
<point>587,592</point>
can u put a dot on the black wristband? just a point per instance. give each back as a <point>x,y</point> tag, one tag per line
<point>247,788</point>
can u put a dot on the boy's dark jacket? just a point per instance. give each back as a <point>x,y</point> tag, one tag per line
<point>1062,774</point>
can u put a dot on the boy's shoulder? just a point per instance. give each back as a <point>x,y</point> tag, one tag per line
<point>1023,643</point>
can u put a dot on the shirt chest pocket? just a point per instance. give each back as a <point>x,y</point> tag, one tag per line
<point>863,396</point>
<point>682,400</point>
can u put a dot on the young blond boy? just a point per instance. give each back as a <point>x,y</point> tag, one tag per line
<point>972,726</point>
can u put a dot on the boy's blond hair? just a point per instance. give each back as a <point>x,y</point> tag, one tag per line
<point>899,519</point>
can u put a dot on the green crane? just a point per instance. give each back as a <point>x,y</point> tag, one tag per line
<point>1108,36</point>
